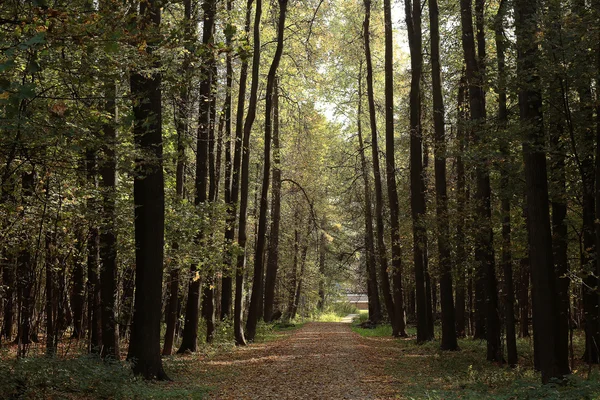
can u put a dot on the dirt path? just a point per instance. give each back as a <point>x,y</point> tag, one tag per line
<point>318,361</point>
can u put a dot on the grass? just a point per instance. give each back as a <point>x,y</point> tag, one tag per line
<point>426,372</point>
<point>76,375</point>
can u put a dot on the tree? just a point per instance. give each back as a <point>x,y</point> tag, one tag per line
<point>257,290</point>
<point>447,302</point>
<point>484,251</point>
<point>144,346</point>
<point>273,257</point>
<point>545,305</point>
<point>381,249</point>
<point>417,184</point>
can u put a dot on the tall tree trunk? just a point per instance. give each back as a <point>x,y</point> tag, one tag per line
<point>557,185</point>
<point>322,253</point>
<point>584,155</point>
<point>505,192</point>
<point>381,249</point>
<point>417,184</point>
<point>149,199</point>
<point>208,176</point>
<point>93,259</point>
<point>257,290</point>
<point>461,209</point>
<point>273,259</point>
<point>108,235</point>
<point>25,272</point>
<point>8,279</point>
<point>78,276</point>
<point>484,251</point>
<point>227,280</point>
<point>399,326</point>
<point>293,274</point>
<point>245,175</point>
<point>372,286</point>
<point>51,339</point>
<point>182,127</point>
<point>449,341</point>
<point>545,305</point>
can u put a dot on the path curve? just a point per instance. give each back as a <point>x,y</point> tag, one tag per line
<point>318,361</point>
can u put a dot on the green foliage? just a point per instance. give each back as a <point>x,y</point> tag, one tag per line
<point>87,377</point>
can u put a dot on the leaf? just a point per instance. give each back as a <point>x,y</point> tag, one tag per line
<point>8,64</point>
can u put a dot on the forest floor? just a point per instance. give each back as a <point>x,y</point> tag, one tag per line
<point>321,360</point>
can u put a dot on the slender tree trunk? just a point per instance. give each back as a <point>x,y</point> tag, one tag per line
<point>545,304</point>
<point>273,259</point>
<point>417,184</point>
<point>461,254</point>
<point>51,339</point>
<point>381,249</point>
<point>8,279</point>
<point>399,327</point>
<point>93,260</point>
<point>557,186</point>
<point>449,341</point>
<point>78,289</point>
<point>230,168</point>
<point>505,192</point>
<point>208,176</point>
<point>148,193</point>
<point>322,253</point>
<point>245,176</point>
<point>257,290</point>
<point>108,235</point>
<point>293,275</point>
<point>484,252</point>
<point>373,287</point>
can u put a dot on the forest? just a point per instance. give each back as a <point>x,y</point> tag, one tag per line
<point>185,178</point>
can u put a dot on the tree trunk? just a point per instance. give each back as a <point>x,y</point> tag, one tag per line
<point>449,341</point>
<point>108,235</point>
<point>230,169</point>
<point>208,176</point>
<point>557,186</point>
<point>148,193</point>
<point>372,286</point>
<point>93,260</point>
<point>245,173</point>
<point>461,254</point>
<point>399,327</point>
<point>505,192</point>
<point>381,249</point>
<point>484,251</point>
<point>417,184</point>
<point>257,290</point>
<point>273,259</point>
<point>545,305</point>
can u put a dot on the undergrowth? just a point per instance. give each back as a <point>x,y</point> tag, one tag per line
<point>425,372</point>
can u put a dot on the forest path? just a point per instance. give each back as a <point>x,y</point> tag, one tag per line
<point>318,361</point>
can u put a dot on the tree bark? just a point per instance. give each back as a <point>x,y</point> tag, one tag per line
<point>461,198</point>
<point>417,184</point>
<point>148,192</point>
<point>93,259</point>
<point>545,305</point>
<point>245,175</point>
<point>381,248</point>
<point>230,167</point>
<point>273,258</point>
<point>373,287</point>
<point>257,290</point>
<point>484,251</point>
<point>505,192</point>
<point>449,341</point>
<point>108,234</point>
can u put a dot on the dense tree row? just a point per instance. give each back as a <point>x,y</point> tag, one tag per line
<point>182,166</point>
